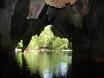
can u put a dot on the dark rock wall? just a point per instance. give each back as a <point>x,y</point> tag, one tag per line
<point>23,24</point>
<point>19,21</point>
<point>6,13</point>
<point>88,54</point>
<point>2,4</point>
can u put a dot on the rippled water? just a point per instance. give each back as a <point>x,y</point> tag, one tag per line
<point>51,64</point>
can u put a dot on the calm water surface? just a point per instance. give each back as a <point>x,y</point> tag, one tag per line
<point>50,64</point>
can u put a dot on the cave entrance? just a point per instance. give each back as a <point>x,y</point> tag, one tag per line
<point>47,56</point>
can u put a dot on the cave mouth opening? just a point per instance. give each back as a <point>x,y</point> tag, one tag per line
<point>47,39</point>
<point>46,55</point>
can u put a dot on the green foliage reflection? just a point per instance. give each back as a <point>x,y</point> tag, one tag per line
<point>39,61</point>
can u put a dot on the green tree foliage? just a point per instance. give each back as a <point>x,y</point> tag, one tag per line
<point>47,40</point>
<point>59,43</point>
<point>20,44</point>
<point>34,42</point>
<point>45,37</point>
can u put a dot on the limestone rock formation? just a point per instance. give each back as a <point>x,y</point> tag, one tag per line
<point>60,3</point>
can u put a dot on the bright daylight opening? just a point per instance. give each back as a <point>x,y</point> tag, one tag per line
<point>46,54</point>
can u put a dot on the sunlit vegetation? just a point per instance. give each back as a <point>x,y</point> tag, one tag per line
<point>47,40</point>
<point>20,45</point>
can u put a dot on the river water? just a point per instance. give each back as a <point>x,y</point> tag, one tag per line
<point>46,64</point>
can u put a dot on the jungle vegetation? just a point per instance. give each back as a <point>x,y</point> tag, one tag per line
<point>47,40</point>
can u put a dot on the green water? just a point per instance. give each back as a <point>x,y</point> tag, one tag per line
<point>46,63</point>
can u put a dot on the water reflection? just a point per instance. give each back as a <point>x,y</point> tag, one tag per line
<point>62,69</point>
<point>47,73</point>
<point>48,64</point>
